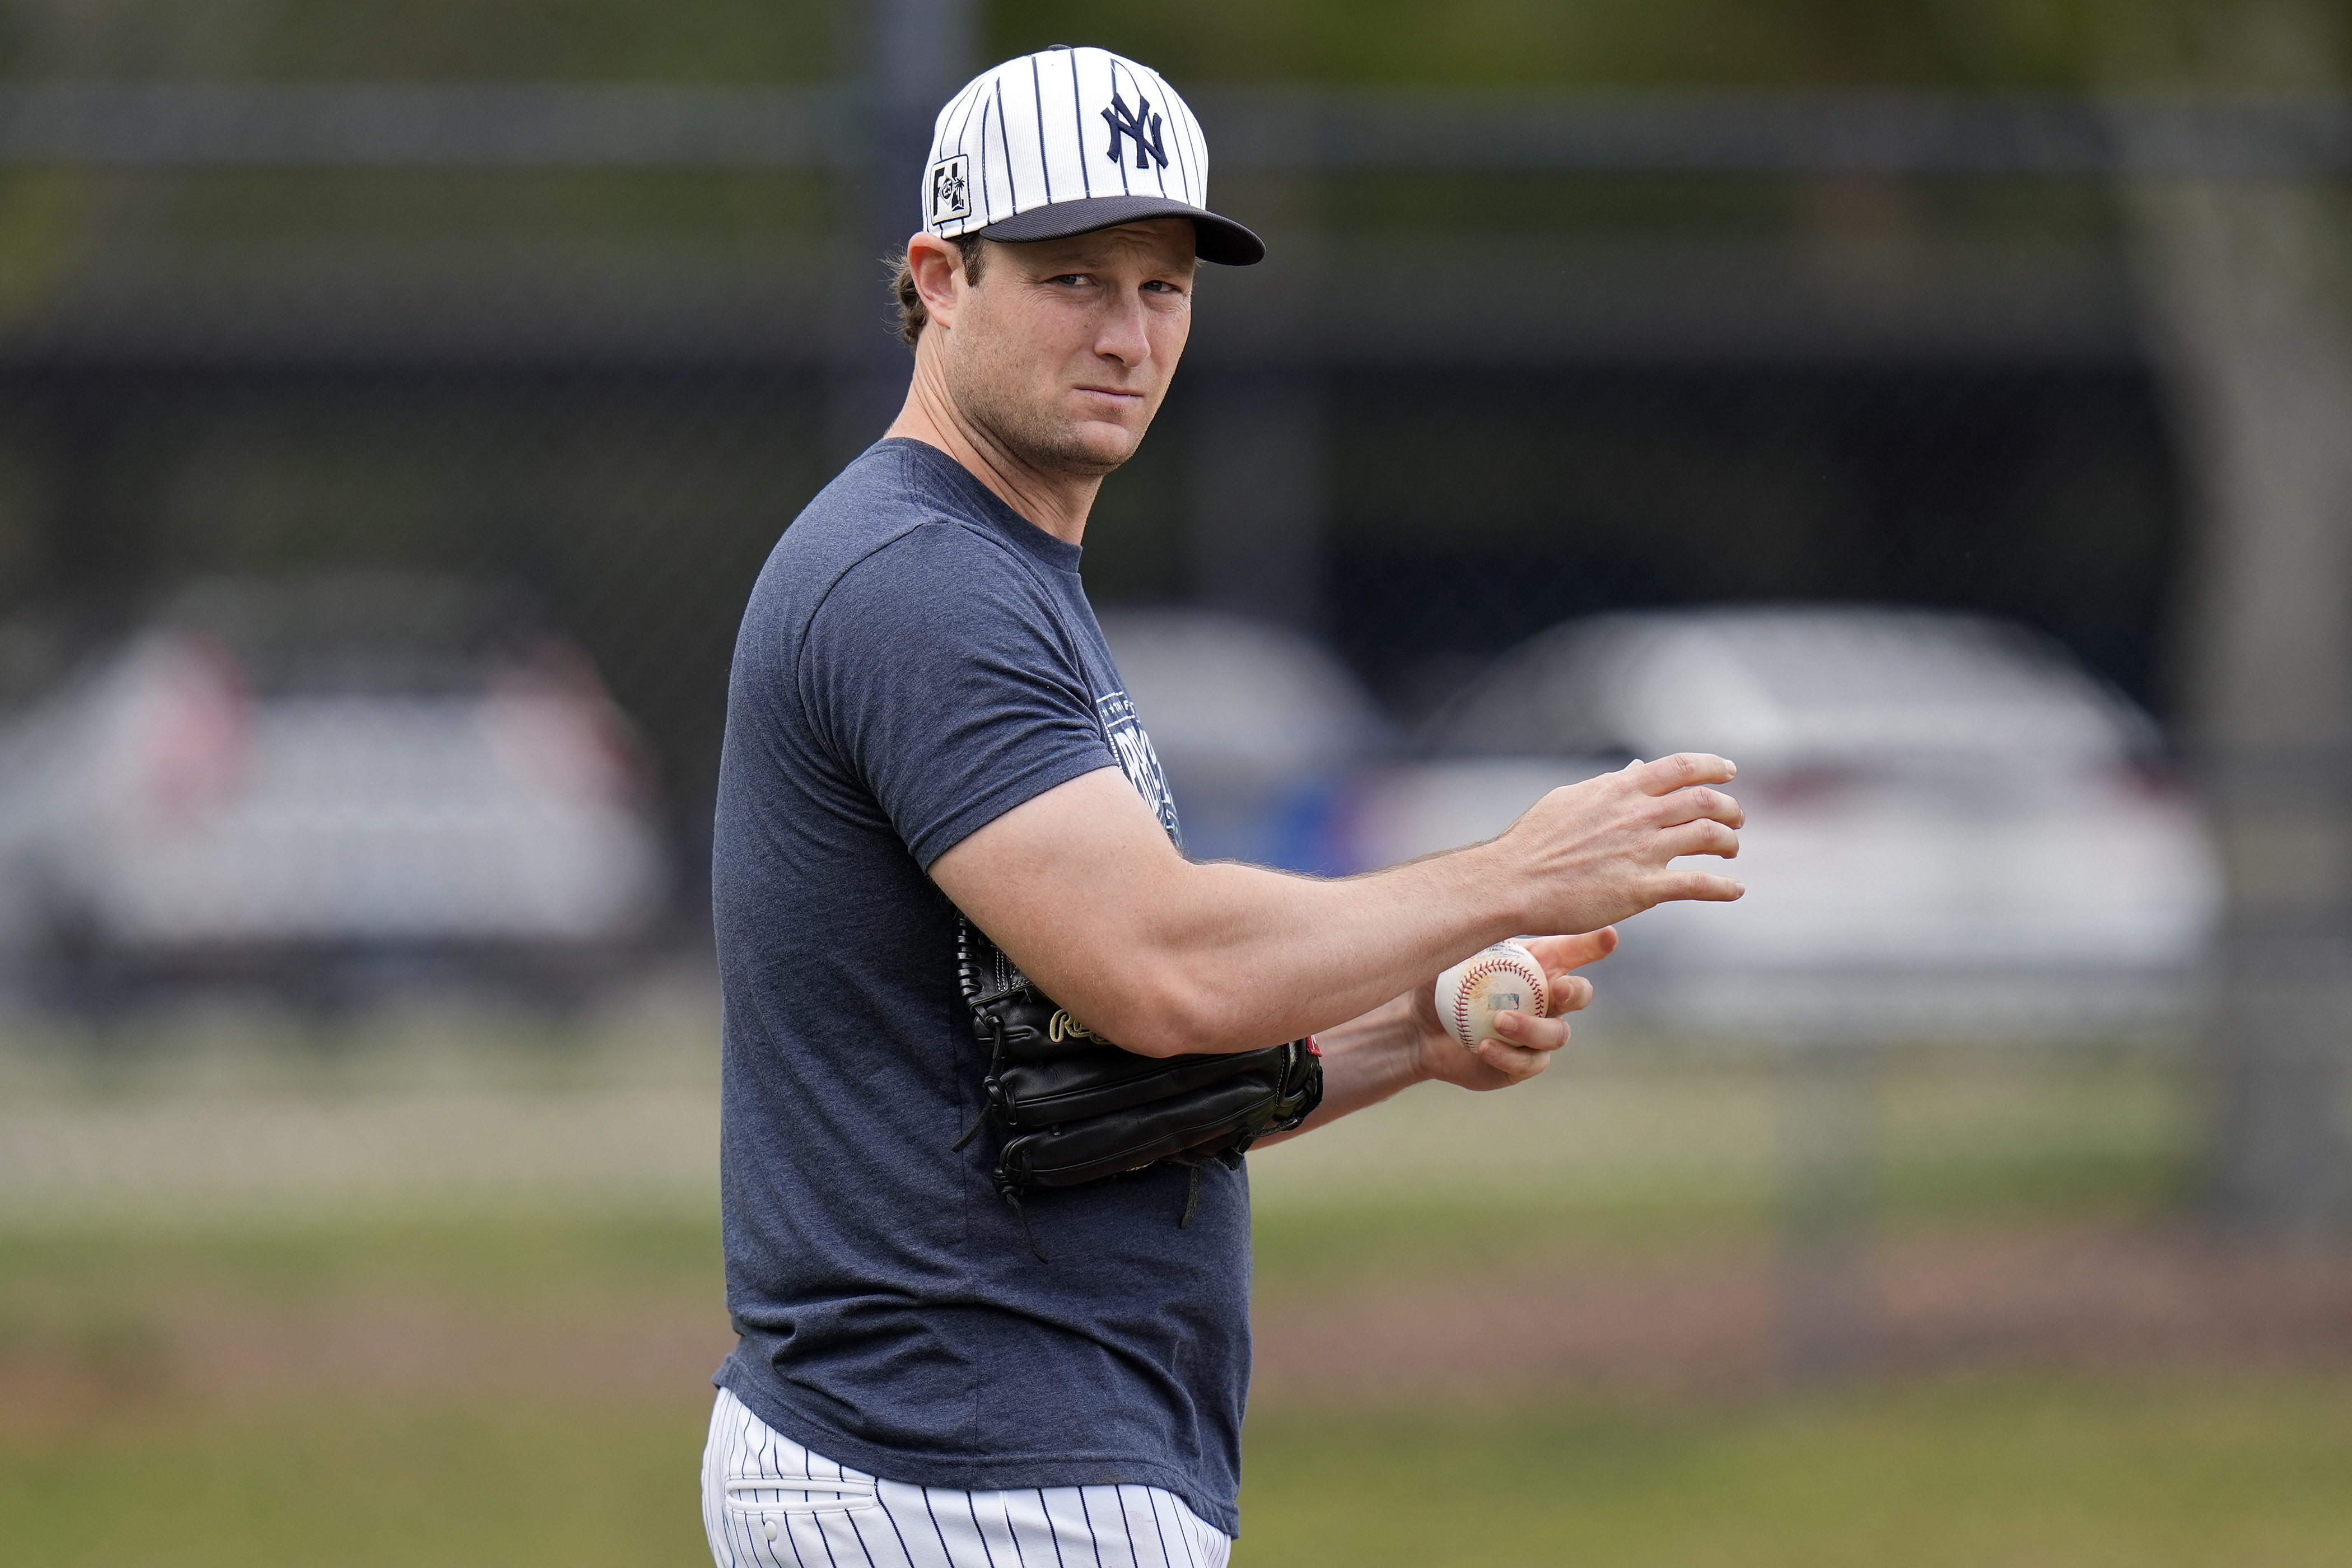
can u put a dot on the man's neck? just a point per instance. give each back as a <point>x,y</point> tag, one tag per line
<point>1055,500</point>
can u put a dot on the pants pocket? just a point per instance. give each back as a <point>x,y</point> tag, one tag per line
<point>777,1497</point>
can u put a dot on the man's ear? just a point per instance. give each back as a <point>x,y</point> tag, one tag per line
<point>936,266</point>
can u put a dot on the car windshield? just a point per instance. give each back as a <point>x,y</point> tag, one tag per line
<point>1789,685</point>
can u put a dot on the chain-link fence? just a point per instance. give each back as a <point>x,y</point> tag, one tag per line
<point>1513,361</point>
<point>383,474</point>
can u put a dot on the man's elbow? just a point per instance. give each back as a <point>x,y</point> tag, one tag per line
<point>1170,1015</point>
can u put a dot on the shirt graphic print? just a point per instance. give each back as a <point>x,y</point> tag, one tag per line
<point>1133,746</point>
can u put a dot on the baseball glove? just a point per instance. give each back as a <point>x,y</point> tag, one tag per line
<point>1078,1109</point>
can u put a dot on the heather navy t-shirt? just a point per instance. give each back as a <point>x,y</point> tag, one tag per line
<point>917,659</point>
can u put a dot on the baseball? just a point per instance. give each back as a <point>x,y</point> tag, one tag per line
<point>1504,978</point>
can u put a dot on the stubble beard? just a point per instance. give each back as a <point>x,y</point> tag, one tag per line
<point>1020,428</point>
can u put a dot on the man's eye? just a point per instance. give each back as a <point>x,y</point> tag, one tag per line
<point>1074,278</point>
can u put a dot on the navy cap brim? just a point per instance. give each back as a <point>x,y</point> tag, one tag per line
<point>1217,239</point>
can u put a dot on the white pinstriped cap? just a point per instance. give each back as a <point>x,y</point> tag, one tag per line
<point>1068,141</point>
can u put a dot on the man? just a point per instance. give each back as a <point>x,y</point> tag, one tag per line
<point>923,722</point>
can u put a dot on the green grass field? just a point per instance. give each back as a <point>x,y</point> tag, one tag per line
<point>440,1481</point>
<point>522,1386</point>
<point>2011,1472</point>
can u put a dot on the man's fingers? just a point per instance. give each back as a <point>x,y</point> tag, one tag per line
<point>1559,955</point>
<point>1680,771</point>
<point>1511,1061</point>
<point>1703,886</point>
<point>1530,1033</point>
<point>1701,837</point>
<point>1698,804</point>
<point>1568,994</point>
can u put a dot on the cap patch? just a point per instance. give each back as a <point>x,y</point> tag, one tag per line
<point>950,188</point>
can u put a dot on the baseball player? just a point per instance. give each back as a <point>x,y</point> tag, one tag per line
<point>948,873</point>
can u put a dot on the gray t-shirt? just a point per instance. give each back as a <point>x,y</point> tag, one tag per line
<point>917,659</point>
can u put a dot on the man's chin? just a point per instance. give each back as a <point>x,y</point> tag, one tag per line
<point>1108,445</point>
<point>1093,447</point>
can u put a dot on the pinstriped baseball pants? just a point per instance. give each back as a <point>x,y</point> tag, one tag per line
<point>767,1502</point>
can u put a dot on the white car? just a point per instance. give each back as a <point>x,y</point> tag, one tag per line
<point>314,771</point>
<point>1951,825</point>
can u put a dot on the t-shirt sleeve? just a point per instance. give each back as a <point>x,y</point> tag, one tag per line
<point>935,670</point>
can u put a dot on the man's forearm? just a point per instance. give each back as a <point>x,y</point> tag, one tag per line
<point>1365,1060</point>
<point>1263,955</point>
<point>1081,886</point>
<point>1175,957</point>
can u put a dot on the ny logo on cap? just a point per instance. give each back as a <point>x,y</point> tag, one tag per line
<point>1124,122</point>
<point>952,188</point>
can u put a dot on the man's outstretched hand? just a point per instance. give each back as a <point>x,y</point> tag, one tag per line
<point>1498,1064</point>
<point>1591,854</point>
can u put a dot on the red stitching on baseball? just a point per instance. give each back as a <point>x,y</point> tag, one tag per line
<point>1470,977</point>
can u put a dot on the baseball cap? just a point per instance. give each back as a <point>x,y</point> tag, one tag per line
<point>1068,141</point>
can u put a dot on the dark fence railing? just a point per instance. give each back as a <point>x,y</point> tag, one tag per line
<point>437,126</point>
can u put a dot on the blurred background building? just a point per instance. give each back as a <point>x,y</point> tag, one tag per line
<point>1946,411</point>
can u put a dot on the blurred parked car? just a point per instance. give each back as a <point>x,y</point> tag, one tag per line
<point>1259,728</point>
<point>1950,822</point>
<point>280,778</point>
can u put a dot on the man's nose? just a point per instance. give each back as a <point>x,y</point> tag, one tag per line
<point>1121,336</point>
